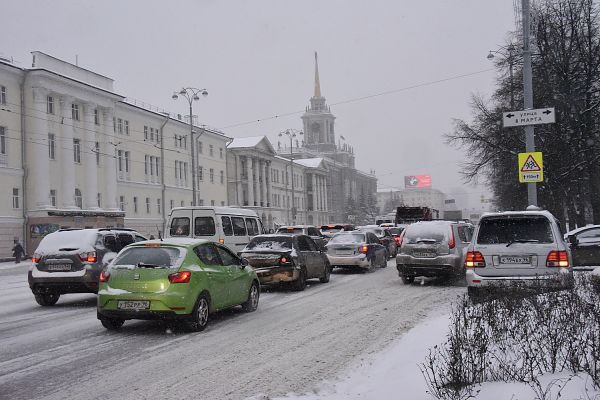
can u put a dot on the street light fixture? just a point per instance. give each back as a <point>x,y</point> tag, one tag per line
<point>191,94</point>
<point>509,55</point>
<point>292,133</point>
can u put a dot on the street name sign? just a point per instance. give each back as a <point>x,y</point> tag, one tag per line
<point>529,117</point>
<point>531,167</point>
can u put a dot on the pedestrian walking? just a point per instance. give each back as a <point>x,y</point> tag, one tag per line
<point>18,252</point>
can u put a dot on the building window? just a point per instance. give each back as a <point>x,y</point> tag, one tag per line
<point>96,117</point>
<point>212,202</point>
<point>145,132</point>
<point>53,197</point>
<point>78,198</point>
<point>135,204</point>
<point>51,146</point>
<point>99,200</point>
<point>114,124</point>
<point>182,203</point>
<point>126,161</point>
<point>222,203</point>
<point>172,204</point>
<point>77,151</point>
<point>3,96</point>
<point>126,123</point>
<point>211,150</point>
<point>201,202</point>
<point>147,205</point>
<point>16,198</point>
<point>75,112</point>
<point>122,203</point>
<point>158,210</point>
<point>152,134</point>
<point>2,140</point>
<point>50,105</point>
<point>200,173</point>
<point>222,177</point>
<point>212,175</point>
<point>120,126</point>
<point>97,151</point>
<point>200,148</point>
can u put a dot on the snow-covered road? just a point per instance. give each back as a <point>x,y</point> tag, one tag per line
<point>291,344</point>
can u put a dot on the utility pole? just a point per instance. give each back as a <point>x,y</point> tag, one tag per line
<point>528,96</point>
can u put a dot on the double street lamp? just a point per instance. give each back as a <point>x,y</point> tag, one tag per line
<point>292,133</point>
<point>191,95</point>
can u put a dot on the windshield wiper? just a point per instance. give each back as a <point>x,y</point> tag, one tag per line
<point>522,241</point>
<point>144,265</point>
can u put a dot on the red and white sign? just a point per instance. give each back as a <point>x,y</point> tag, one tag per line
<point>417,181</point>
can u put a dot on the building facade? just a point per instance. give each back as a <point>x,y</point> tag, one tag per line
<point>73,153</point>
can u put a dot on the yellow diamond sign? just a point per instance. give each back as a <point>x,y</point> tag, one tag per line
<point>531,167</point>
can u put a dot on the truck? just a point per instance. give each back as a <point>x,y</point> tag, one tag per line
<point>407,215</point>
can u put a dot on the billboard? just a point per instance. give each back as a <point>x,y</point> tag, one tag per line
<point>417,181</point>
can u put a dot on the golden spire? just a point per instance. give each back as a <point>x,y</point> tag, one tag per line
<point>317,83</point>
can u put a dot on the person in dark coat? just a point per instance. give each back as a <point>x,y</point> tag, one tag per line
<point>18,252</point>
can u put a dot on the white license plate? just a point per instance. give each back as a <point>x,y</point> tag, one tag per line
<point>133,305</point>
<point>344,252</point>
<point>59,267</point>
<point>423,254</point>
<point>515,260</point>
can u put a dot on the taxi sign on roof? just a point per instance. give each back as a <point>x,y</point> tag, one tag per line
<point>531,167</point>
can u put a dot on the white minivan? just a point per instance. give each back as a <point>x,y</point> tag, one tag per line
<point>233,227</point>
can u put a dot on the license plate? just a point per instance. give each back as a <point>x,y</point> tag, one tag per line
<point>423,254</point>
<point>133,305</point>
<point>515,260</point>
<point>344,252</point>
<point>58,267</point>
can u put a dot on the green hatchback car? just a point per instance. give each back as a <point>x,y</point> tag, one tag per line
<point>175,279</point>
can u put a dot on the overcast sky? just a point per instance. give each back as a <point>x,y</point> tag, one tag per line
<point>255,57</point>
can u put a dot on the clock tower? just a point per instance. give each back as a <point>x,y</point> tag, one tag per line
<point>319,133</point>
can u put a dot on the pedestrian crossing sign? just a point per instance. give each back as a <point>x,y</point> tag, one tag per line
<point>531,167</point>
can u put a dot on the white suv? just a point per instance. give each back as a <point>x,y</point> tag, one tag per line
<point>525,246</point>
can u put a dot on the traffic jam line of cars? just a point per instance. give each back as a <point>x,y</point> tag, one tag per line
<point>215,258</point>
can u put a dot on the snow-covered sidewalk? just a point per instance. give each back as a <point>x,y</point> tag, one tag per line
<point>25,264</point>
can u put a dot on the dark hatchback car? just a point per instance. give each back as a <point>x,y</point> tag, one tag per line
<point>385,237</point>
<point>70,261</point>
<point>585,247</point>
<point>286,258</point>
<point>308,230</point>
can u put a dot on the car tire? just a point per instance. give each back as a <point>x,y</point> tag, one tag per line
<point>112,324</point>
<point>372,266</point>
<point>408,279</point>
<point>199,317</point>
<point>300,283</point>
<point>253,295</point>
<point>46,299</point>
<point>326,274</point>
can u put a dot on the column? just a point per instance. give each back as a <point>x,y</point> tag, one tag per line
<point>314,192</point>
<point>89,158</point>
<point>238,180</point>
<point>321,191</point>
<point>263,188</point>
<point>67,160</point>
<point>40,171</point>
<point>250,166</point>
<point>325,204</point>
<point>257,193</point>
<point>110,161</point>
<point>268,182</point>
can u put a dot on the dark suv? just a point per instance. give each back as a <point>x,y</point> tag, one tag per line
<point>70,261</point>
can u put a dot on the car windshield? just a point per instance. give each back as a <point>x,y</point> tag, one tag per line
<point>425,233</point>
<point>270,243</point>
<point>531,229</point>
<point>331,229</point>
<point>290,231</point>
<point>149,256</point>
<point>395,231</point>
<point>348,238</point>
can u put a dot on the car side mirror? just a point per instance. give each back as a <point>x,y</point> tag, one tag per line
<point>573,240</point>
<point>244,263</point>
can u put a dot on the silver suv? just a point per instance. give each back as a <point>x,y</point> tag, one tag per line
<point>433,249</point>
<point>70,261</point>
<point>523,246</point>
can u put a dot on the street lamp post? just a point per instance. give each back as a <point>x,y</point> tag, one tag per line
<point>510,49</point>
<point>191,94</point>
<point>292,133</point>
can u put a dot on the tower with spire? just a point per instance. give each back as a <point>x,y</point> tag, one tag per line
<point>318,121</point>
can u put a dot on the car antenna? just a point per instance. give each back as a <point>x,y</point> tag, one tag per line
<point>159,235</point>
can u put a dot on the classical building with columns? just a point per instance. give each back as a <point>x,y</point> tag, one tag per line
<point>73,153</point>
<point>282,191</point>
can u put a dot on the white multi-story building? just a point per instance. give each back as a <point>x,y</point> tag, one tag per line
<point>73,153</point>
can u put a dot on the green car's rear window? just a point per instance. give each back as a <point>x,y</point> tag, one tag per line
<point>160,256</point>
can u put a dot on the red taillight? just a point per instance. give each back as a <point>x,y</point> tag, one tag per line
<point>180,277</point>
<point>88,257</point>
<point>451,241</point>
<point>104,275</point>
<point>474,259</point>
<point>364,249</point>
<point>557,259</point>
<point>398,240</point>
<point>222,241</point>
<point>285,260</point>
<point>36,258</point>
<point>401,238</point>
